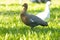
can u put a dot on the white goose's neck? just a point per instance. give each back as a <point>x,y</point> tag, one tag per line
<point>47,8</point>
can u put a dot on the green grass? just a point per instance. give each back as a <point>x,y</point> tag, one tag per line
<point>12,28</point>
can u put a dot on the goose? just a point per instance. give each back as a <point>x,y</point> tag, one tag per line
<point>37,1</point>
<point>46,13</point>
<point>29,19</point>
<point>40,1</point>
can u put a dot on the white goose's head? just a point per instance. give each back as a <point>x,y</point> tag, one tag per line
<point>48,3</point>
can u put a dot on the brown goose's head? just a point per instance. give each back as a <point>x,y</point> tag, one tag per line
<point>25,5</point>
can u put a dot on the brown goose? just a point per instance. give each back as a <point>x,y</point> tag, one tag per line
<point>31,20</point>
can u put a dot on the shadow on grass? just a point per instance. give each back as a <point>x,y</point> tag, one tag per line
<point>32,11</point>
<point>55,12</point>
<point>25,30</point>
<point>10,12</point>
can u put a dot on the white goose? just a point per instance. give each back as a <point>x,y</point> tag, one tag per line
<point>46,13</point>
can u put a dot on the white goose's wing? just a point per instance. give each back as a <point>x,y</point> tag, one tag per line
<point>43,15</point>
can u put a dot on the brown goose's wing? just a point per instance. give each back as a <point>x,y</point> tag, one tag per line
<point>37,21</point>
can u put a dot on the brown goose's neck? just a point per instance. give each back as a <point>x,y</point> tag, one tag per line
<point>24,10</point>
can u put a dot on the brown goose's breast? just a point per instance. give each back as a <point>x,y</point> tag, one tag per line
<point>25,19</point>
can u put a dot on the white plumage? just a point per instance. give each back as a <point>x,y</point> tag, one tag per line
<point>46,13</point>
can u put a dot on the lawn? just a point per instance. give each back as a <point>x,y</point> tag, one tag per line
<point>12,28</point>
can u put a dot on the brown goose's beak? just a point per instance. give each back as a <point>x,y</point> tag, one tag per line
<point>22,5</point>
<point>25,4</point>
